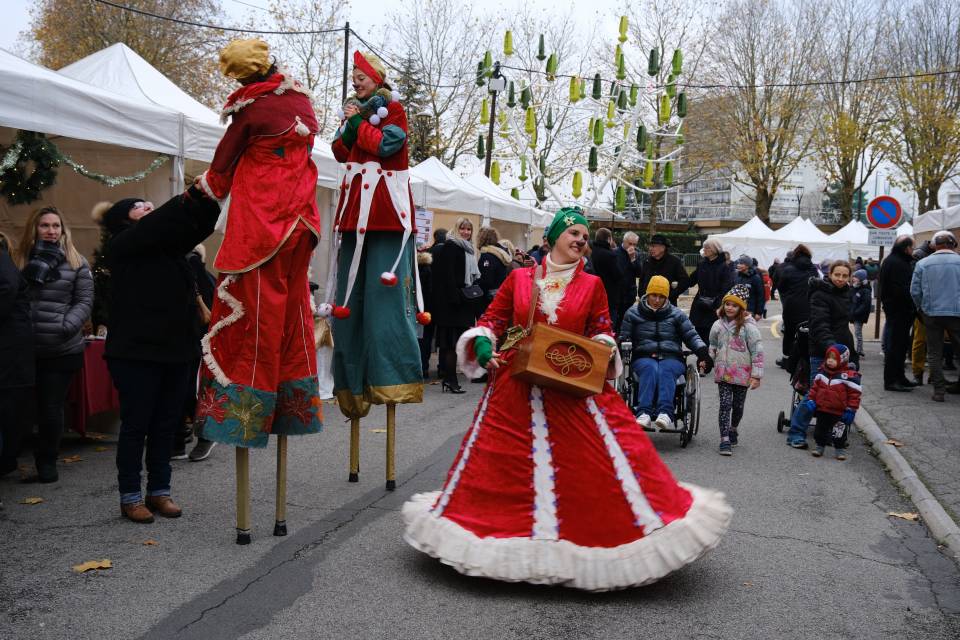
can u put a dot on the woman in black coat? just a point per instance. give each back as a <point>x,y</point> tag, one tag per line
<point>454,269</point>
<point>607,268</point>
<point>830,313</point>
<point>793,278</point>
<point>16,356</point>
<point>152,339</point>
<point>713,279</point>
<point>495,263</point>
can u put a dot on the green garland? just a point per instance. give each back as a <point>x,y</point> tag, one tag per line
<point>19,188</point>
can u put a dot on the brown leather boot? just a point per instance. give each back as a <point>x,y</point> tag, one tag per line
<point>164,505</point>
<point>137,512</point>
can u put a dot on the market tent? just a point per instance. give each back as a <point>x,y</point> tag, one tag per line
<point>502,206</point>
<point>926,224</point>
<point>857,236</point>
<point>754,228</point>
<point>756,240</point>
<point>800,230</point>
<point>443,189</point>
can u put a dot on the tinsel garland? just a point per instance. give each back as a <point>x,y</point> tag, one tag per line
<point>20,188</point>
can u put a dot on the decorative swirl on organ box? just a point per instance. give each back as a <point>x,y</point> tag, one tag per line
<point>565,358</point>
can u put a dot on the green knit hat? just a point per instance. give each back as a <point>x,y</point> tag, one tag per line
<point>565,218</point>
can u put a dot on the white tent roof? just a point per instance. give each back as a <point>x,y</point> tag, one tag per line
<point>937,219</point>
<point>800,230</point>
<point>38,99</point>
<point>119,69</point>
<point>502,206</point>
<point>854,231</point>
<point>753,228</point>
<point>443,189</point>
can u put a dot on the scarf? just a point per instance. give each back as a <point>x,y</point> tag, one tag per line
<point>499,252</point>
<point>471,272</point>
<point>553,285</point>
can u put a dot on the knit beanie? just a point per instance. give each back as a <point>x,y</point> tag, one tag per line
<point>841,353</point>
<point>114,217</point>
<point>659,286</point>
<point>738,295</point>
<point>745,260</point>
<point>861,275</point>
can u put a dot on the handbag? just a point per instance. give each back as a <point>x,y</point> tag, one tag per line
<point>556,358</point>
<point>471,292</point>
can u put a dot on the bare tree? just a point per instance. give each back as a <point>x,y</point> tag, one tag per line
<point>762,52</point>
<point>924,142</point>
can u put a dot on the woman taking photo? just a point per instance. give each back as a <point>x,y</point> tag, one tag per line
<point>713,278</point>
<point>61,299</point>
<point>456,297</point>
<point>16,356</point>
<point>550,488</point>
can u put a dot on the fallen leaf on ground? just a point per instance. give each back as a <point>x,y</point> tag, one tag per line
<point>748,584</point>
<point>150,542</point>
<point>378,430</point>
<point>92,435</point>
<point>100,449</point>
<point>91,565</point>
<point>906,515</point>
<point>434,382</point>
<point>71,459</point>
<point>893,441</point>
<point>31,501</point>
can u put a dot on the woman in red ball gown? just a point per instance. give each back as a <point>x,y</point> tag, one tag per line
<point>552,489</point>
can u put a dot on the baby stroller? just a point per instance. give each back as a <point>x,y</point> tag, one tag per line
<point>686,400</point>
<point>798,365</point>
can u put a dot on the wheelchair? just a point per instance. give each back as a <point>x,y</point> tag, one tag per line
<point>686,400</point>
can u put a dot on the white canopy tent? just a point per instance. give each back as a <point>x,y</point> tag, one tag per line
<point>857,236</point>
<point>437,187</point>
<point>502,206</point>
<point>800,230</point>
<point>933,221</point>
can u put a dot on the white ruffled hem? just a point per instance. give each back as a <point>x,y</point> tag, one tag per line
<point>467,364</point>
<point>561,562</point>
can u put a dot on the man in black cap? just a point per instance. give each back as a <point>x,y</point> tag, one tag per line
<point>660,262</point>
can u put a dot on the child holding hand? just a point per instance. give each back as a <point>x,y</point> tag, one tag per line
<point>737,351</point>
<point>834,399</point>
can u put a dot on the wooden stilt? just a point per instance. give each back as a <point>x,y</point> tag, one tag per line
<point>243,495</point>
<point>280,526</point>
<point>391,446</point>
<point>354,450</point>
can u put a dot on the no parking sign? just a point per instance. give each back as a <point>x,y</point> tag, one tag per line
<point>884,212</point>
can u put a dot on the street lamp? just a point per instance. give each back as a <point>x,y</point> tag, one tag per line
<point>495,85</point>
<point>799,199</point>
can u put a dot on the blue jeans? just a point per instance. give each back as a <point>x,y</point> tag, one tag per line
<point>151,409</point>
<point>656,380</point>
<point>800,420</point>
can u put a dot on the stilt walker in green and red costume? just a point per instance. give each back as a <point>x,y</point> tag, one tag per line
<point>377,294</point>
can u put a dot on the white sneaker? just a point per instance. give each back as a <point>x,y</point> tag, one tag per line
<point>663,421</point>
<point>643,420</point>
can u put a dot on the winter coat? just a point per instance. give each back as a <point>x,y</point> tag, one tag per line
<point>16,328</point>
<point>754,281</point>
<point>153,306</point>
<point>860,303</point>
<point>737,356</point>
<point>450,308</point>
<point>425,267</point>
<point>660,333</point>
<point>630,270</point>
<point>495,263</point>
<point>835,392</point>
<point>793,278</point>
<point>59,310</point>
<point>896,273</point>
<point>936,284</point>
<point>670,267</point>
<point>604,262</point>
<point>713,280</point>
<point>829,318</point>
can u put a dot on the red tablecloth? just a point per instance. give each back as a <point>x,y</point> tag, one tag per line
<point>92,389</point>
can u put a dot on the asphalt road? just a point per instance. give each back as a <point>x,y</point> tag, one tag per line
<point>811,553</point>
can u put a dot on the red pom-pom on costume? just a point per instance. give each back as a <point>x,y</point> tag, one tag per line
<point>341,312</point>
<point>424,318</point>
<point>388,278</point>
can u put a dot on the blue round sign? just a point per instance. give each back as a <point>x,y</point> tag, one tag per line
<point>884,212</point>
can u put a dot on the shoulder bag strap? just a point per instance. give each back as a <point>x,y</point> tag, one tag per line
<point>534,299</point>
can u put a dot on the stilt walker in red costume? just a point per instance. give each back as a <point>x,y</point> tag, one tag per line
<point>377,296</point>
<point>550,488</point>
<point>259,373</point>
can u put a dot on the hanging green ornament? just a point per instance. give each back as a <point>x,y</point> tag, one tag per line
<point>549,123</point>
<point>623,29</point>
<point>481,148</point>
<point>620,202</point>
<point>641,138</point>
<point>542,166</point>
<point>648,174</point>
<point>682,104</point>
<point>679,139</point>
<point>583,88</point>
<point>649,149</point>
<point>590,127</point>
<point>530,125</point>
<point>577,184</point>
<point>597,87</point>
<point>504,124</point>
<point>515,193</point>
<point>611,111</point>
<point>663,113</point>
<point>552,67</point>
<point>511,95</point>
<point>634,92</point>
<point>533,140</point>
<point>541,49</point>
<point>484,111</point>
<point>621,68</point>
<point>523,169</point>
<point>574,90</point>
<point>508,43</point>
<point>495,172</point>
<point>671,86</point>
<point>653,62</point>
<point>592,163</point>
<point>626,130</point>
<point>525,97</point>
<point>617,54</point>
<point>622,101</point>
<point>668,173</point>
<point>481,76</point>
<point>487,64</point>
<point>598,132</point>
<point>677,62</point>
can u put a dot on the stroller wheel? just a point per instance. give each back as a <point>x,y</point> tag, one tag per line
<point>781,419</point>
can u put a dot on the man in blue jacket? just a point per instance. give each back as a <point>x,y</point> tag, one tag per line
<point>935,289</point>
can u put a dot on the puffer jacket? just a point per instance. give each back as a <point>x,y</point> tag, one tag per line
<point>836,391</point>
<point>894,279</point>
<point>660,333</point>
<point>737,356</point>
<point>829,318</point>
<point>752,279</point>
<point>59,309</point>
<point>860,303</point>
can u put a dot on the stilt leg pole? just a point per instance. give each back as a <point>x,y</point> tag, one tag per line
<point>243,495</point>
<point>280,526</point>
<point>354,450</point>
<point>391,446</point>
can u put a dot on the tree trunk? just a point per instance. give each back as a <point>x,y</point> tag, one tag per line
<point>763,202</point>
<point>929,196</point>
<point>847,191</point>
<point>652,212</point>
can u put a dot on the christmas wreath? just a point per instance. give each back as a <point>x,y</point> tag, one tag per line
<point>29,166</point>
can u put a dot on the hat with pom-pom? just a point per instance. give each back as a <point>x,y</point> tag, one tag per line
<point>840,353</point>
<point>738,295</point>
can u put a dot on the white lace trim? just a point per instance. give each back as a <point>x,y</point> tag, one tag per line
<point>645,516</point>
<point>454,480</point>
<point>545,523</point>
<point>236,313</point>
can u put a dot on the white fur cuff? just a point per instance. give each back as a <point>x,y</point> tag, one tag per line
<point>617,360</point>
<point>467,357</point>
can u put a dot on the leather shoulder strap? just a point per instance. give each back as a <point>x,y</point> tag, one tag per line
<point>534,298</point>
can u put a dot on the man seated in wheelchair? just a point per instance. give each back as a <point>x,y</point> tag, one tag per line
<point>659,331</point>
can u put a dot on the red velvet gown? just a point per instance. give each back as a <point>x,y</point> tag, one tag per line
<point>552,489</point>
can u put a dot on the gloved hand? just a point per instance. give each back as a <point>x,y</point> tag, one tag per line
<point>484,350</point>
<point>703,357</point>
<point>810,405</point>
<point>847,416</point>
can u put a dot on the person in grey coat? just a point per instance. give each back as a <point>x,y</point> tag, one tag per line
<point>61,299</point>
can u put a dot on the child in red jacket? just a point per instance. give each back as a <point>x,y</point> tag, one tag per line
<point>834,399</point>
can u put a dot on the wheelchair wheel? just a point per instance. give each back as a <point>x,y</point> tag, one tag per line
<point>780,420</point>
<point>692,400</point>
